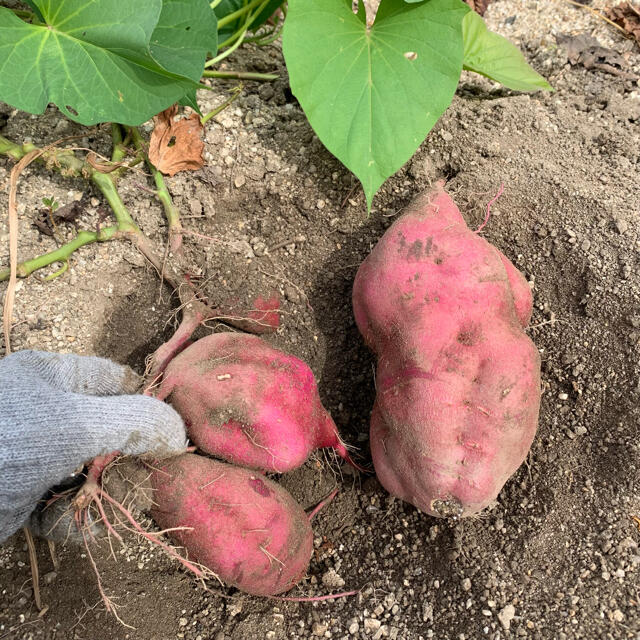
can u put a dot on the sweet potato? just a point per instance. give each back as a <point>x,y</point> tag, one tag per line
<point>244,527</point>
<point>458,380</point>
<point>248,403</point>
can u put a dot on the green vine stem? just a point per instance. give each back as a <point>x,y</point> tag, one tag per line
<point>13,150</point>
<point>194,311</point>
<point>241,75</point>
<point>61,254</point>
<point>106,184</point>
<point>71,166</point>
<point>235,41</point>
<point>171,212</point>
<point>223,22</point>
<point>237,91</point>
<point>238,37</point>
<point>269,36</point>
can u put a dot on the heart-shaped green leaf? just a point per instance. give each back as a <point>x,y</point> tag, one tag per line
<point>493,56</point>
<point>186,32</point>
<point>373,94</point>
<point>92,59</point>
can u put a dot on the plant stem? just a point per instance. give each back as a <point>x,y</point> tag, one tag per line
<point>69,165</point>
<point>119,151</point>
<point>106,184</point>
<point>238,37</point>
<point>214,4</point>
<point>236,14</point>
<point>171,212</point>
<point>11,149</point>
<point>214,112</point>
<point>259,37</point>
<point>262,319</point>
<point>268,37</point>
<point>235,41</point>
<point>241,75</point>
<point>62,159</point>
<point>61,254</point>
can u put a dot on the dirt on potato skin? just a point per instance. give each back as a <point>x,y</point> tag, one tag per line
<point>557,556</point>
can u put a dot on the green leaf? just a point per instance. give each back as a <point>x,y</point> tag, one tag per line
<point>190,99</point>
<point>372,95</point>
<point>92,59</point>
<point>493,56</point>
<point>186,32</point>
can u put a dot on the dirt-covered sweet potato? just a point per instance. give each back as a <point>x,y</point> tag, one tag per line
<point>244,527</point>
<point>248,403</point>
<point>458,380</point>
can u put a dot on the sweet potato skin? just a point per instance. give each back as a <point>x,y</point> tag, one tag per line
<point>248,403</point>
<point>458,380</point>
<point>244,527</point>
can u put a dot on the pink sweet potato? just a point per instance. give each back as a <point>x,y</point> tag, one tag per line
<point>248,403</point>
<point>458,380</point>
<point>244,527</point>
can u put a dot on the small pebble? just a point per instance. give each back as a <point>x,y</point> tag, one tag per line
<point>506,615</point>
<point>371,625</point>
<point>622,226</point>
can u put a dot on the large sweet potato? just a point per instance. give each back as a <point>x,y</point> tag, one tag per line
<point>244,527</point>
<point>458,380</point>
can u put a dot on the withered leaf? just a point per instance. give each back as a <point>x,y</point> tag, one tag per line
<point>46,220</point>
<point>627,16</point>
<point>69,212</point>
<point>479,6</point>
<point>575,45</point>
<point>42,224</point>
<point>585,50</point>
<point>176,145</point>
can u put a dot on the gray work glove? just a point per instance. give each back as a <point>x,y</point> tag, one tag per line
<point>59,411</point>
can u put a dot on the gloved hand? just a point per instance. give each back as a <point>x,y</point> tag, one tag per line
<point>59,411</point>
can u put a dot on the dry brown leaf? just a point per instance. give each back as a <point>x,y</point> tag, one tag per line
<point>627,16</point>
<point>479,6</point>
<point>176,145</point>
<point>585,50</point>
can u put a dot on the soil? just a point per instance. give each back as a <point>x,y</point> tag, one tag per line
<point>557,556</point>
